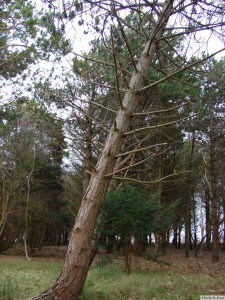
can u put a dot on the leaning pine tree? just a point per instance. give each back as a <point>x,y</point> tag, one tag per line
<point>70,283</point>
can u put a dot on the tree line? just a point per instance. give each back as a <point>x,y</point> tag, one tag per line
<point>143,128</point>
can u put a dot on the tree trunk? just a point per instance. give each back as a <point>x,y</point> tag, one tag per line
<point>199,245</point>
<point>224,225</point>
<point>179,237</point>
<point>88,146</point>
<point>215,226</point>
<point>187,231</point>
<point>207,219</point>
<point>71,281</point>
<point>195,228</point>
<point>215,217</point>
<point>157,250</point>
<point>128,256</point>
<point>168,237</point>
<point>213,187</point>
<point>110,243</point>
<point>9,234</point>
<point>150,239</point>
<point>163,242</point>
<point>188,243</point>
<point>174,242</point>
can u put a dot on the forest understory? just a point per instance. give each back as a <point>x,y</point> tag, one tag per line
<point>174,259</point>
<point>171,276</point>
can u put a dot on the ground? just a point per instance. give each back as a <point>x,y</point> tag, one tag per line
<point>168,277</point>
<point>174,260</point>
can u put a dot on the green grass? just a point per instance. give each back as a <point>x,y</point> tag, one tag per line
<point>21,279</point>
<point>111,283</point>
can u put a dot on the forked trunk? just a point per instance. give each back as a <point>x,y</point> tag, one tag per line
<point>71,281</point>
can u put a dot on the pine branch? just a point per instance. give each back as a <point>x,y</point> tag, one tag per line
<point>179,71</point>
<point>124,37</point>
<point>116,71</point>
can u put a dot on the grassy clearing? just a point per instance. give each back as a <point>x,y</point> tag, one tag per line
<point>110,283</point>
<point>21,279</point>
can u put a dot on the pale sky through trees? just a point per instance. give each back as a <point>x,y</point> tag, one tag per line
<point>80,44</point>
<point>210,43</point>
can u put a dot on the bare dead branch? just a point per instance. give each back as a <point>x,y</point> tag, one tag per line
<point>158,125</point>
<point>128,167</point>
<point>141,149</point>
<point>161,110</point>
<point>163,179</point>
<point>97,104</point>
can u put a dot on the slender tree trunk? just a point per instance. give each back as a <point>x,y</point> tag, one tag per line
<point>88,146</point>
<point>71,281</point>
<point>150,239</point>
<point>193,233</point>
<point>199,245</point>
<point>187,231</point>
<point>159,233</point>
<point>179,237</point>
<point>207,219</point>
<point>215,226</point>
<point>174,242</point>
<point>140,243</point>
<point>188,201</point>
<point>213,186</point>
<point>187,223</point>
<point>224,224</point>
<point>9,234</point>
<point>42,237</point>
<point>195,228</point>
<point>157,243</point>
<point>215,217</point>
<point>110,243</point>
<point>163,242</point>
<point>167,237</point>
<point>128,256</point>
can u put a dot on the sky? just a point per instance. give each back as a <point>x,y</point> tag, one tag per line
<point>80,43</point>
